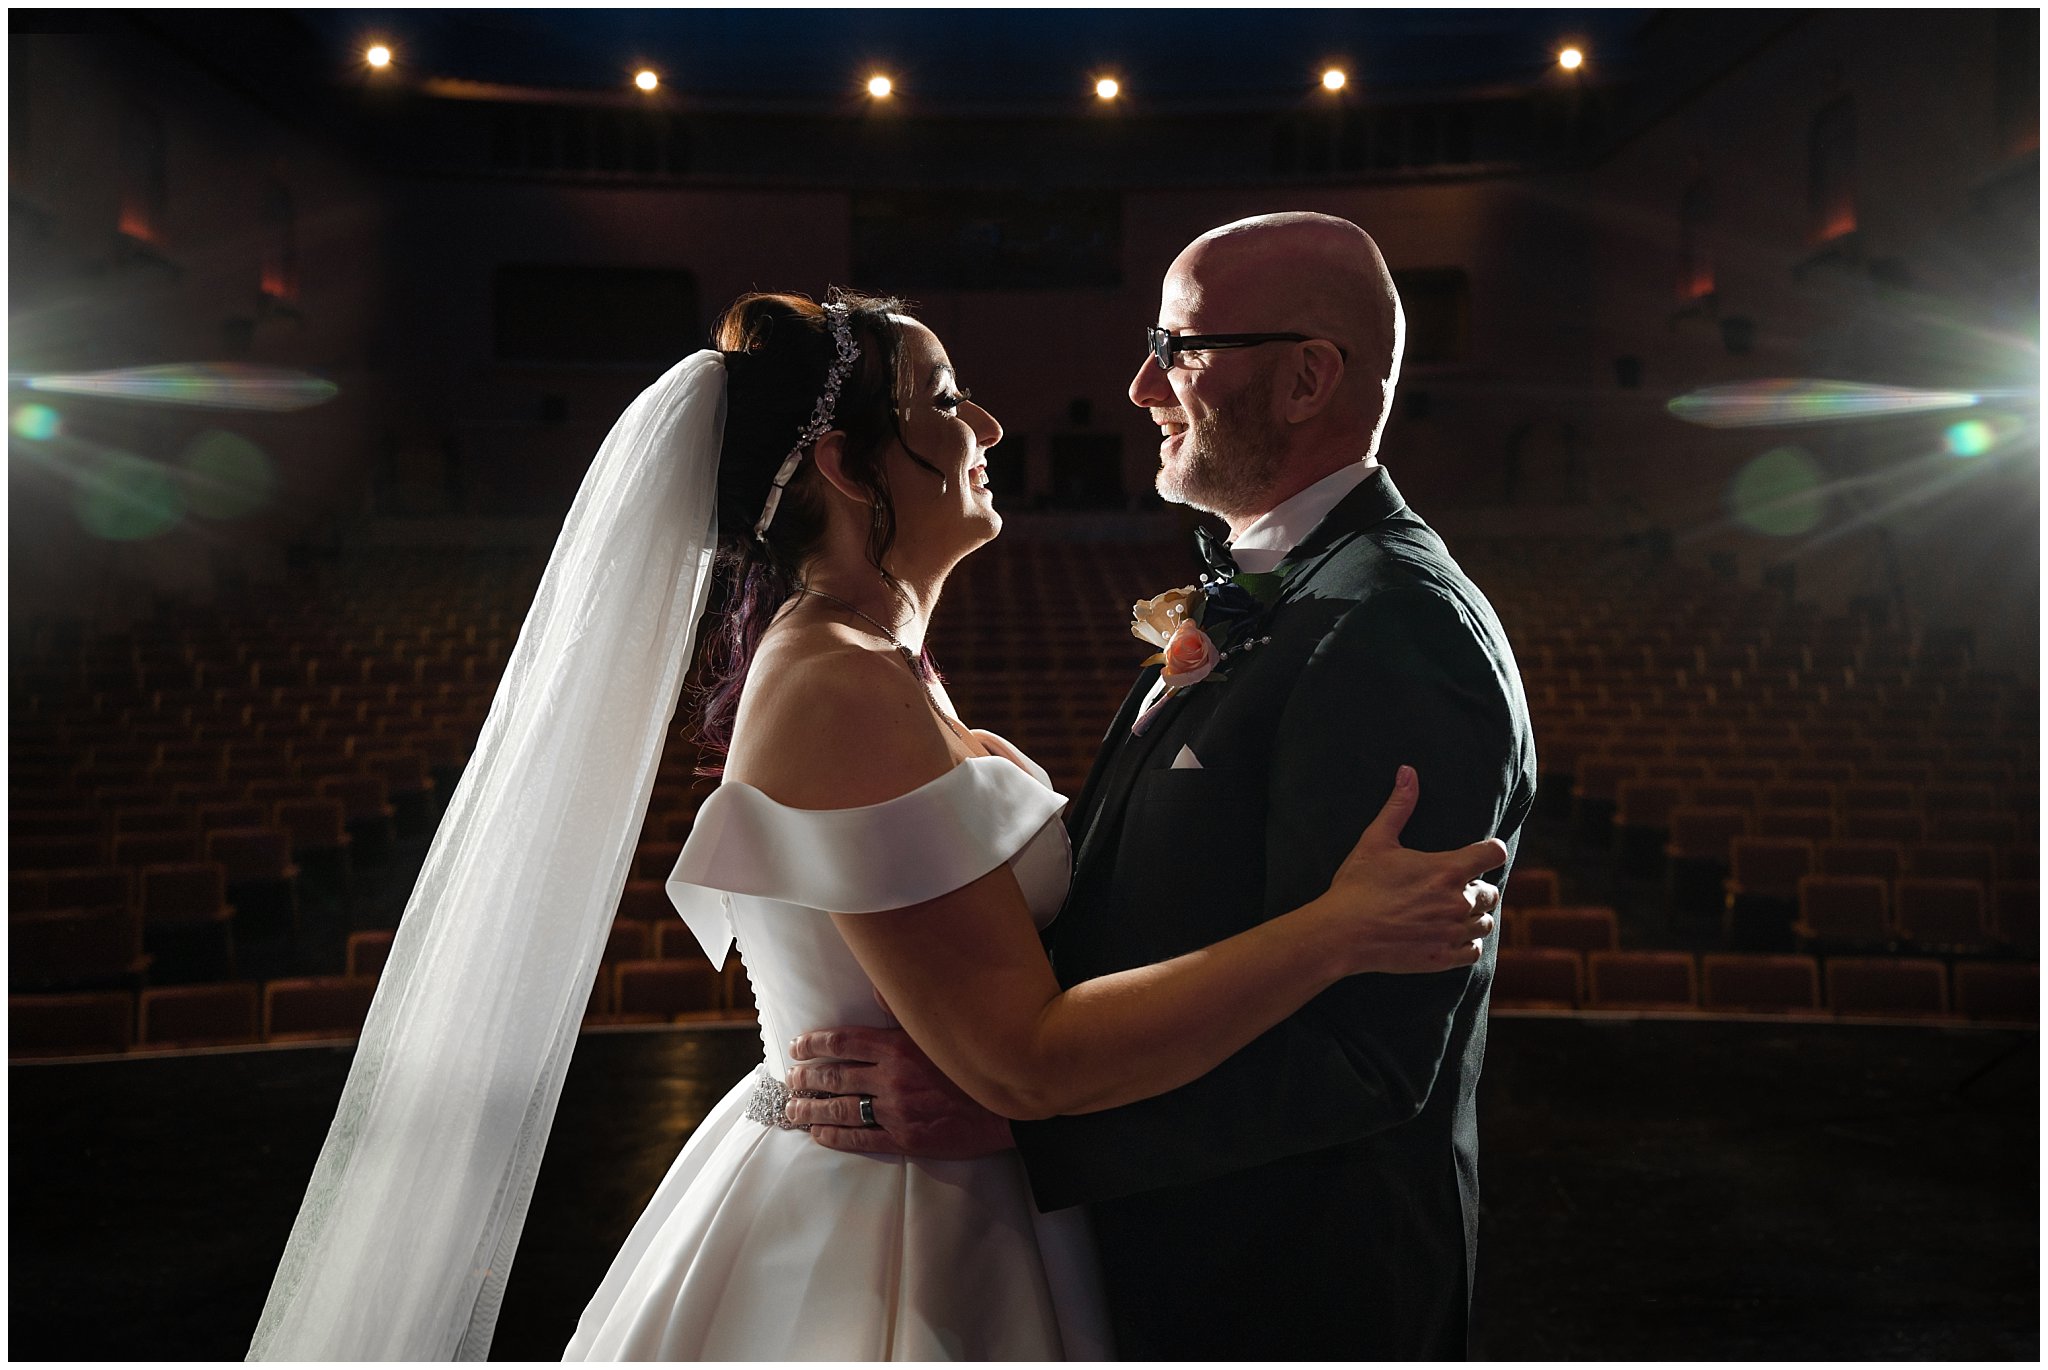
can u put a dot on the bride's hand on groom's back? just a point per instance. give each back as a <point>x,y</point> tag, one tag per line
<point>1410,912</point>
<point>917,1110</point>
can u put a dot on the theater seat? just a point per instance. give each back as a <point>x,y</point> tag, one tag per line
<point>1538,977</point>
<point>2016,915</point>
<point>1945,915</point>
<point>1953,861</point>
<point>1642,979</point>
<point>673,941</point>
<point>76,948</point>
<point>667,988</point>
<point>1575,928</point>
<point>69,1024</point>
<point>628,941</point>
<point>1999,991</point>
<point>367,952</point>
<point>1887,987</point>
<point>1845,857</point>
<point>647,901</point>
<point>1530,887</point>
<point>316,1008</point>
<point>200,1015</point>
<point>1844,910</point>
<point>1761,984</point>
<point>653,861</point>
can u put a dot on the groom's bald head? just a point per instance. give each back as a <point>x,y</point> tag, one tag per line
<point>1308,273</point>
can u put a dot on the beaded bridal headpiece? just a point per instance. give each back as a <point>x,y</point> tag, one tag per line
<point>821,416</point>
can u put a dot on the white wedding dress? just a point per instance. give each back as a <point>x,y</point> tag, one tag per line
<point>761,1244</point>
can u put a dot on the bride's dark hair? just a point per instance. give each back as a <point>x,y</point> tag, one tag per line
<point>778,349</point>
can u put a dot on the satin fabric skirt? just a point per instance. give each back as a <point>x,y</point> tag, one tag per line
<point>762,1245</point>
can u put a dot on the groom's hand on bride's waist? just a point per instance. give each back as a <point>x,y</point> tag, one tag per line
<point>917,1110</point>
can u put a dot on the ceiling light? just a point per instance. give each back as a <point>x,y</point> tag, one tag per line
<point>880,87</point>
<point>378,56</point>
<point>1107,88</point>
<point>1333,79</point>
<point>647,80</point>
<point>1571,59</point>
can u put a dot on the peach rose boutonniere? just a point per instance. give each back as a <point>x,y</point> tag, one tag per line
<point>1187,656</point>
<point>1190,657</point>
<point>1157,619</point>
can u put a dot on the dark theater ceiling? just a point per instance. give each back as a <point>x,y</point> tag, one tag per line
<point>959,59</point>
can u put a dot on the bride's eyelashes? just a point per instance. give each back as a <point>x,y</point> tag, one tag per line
<point>951,400</point>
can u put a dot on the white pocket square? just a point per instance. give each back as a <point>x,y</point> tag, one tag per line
<point>1186,760</point>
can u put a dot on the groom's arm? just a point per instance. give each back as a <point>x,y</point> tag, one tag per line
<point>1402,679</point>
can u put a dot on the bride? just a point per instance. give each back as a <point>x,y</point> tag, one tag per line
<point>864,846</point>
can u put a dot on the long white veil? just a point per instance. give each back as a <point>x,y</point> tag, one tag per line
<point>409,1224</point>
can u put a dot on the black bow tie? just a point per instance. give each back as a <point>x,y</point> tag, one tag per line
<point>1214,552</point>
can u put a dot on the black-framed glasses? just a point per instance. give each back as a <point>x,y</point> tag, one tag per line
<point>1164,345</point>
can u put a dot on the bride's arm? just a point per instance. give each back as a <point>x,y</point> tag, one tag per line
<point>965,972</point>
<point>966,976</point>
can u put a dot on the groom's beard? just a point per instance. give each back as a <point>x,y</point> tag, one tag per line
<point>1229,459</point>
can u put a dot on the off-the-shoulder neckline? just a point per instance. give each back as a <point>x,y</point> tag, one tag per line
<point>940,779</point>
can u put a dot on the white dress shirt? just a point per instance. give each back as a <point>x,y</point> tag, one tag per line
<point>1268,539</point>
<point>1275,533</point>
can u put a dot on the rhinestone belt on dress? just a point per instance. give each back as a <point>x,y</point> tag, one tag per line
<point>770,1096</point>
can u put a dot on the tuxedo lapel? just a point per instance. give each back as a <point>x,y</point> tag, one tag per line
<point>1124,762</point>
<point>1110,750</point>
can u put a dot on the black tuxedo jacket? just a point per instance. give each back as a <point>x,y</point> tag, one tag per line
<point>1316,1195</point>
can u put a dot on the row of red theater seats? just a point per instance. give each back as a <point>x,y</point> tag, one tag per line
<point>256,774</point>
<point>1925,791</point>
<point>1863,913</point>
<point>378,669</point>
<point>95,936</point>
<point>1689,697</point>
<point>686,989</point>
<point>1714,836</point>
<point>97,711</point>
<point>1997,992</point>
<point>1878,715</point>
<point>250,838</point>
<point>161,725</point>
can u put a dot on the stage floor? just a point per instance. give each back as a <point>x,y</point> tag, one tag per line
<point>1654,1189</point>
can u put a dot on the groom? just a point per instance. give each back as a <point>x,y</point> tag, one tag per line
<point>1315,1196</point>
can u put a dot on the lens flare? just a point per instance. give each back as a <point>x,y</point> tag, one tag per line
<point>226,475</point>
<point>1107,88</point>
<point>1333,79</point>
<point>36,422</point>
<point>1779,493</point>
<point>123,498</point>
<point>647,80</point>
<point>222,385</point>
<point>1970,438</point>
<point>1762,404</point>
<point>880,87</point>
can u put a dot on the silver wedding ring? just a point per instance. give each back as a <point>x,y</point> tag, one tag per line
<point>867,1112</point>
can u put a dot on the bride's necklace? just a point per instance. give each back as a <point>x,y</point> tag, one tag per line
<point>909,657</point>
